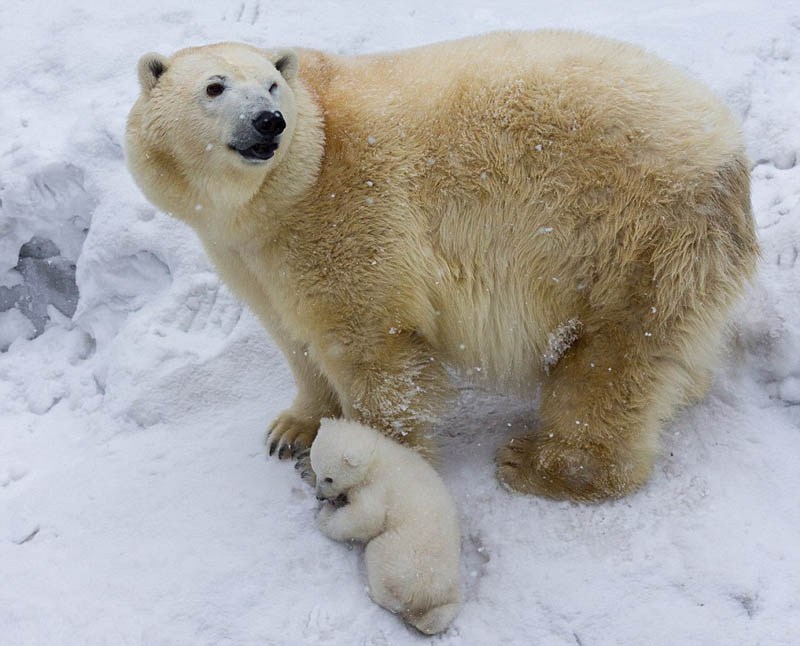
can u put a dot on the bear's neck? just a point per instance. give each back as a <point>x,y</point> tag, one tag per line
<point>295,177</point>
<point>274,197</point>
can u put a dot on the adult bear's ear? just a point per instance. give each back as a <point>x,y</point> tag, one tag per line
<point>286,62</point>
<point>151,67</point>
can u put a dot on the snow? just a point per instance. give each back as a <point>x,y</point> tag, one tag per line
<point>560,340</point>
<point>136,504</point>
<point>14,325</point>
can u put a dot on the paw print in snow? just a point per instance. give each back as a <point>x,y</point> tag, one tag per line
<point>787,256</point>
<point>243,12</point>
<point>203,309</point>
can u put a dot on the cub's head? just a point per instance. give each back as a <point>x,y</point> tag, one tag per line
<point>217,118</point>
<point>341,456</point>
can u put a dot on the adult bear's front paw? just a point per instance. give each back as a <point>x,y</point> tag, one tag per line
<point>303,465</point>
<point>291,433</point>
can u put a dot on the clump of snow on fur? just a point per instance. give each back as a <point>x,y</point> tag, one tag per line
<point>559,341</point>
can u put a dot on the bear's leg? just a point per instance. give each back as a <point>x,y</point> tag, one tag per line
<point>381,557</point>
<point>601,409</point>
<point>293,431</point>
<point>397,386</point>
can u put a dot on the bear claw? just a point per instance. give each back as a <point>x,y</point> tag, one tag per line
<point>290,434</point>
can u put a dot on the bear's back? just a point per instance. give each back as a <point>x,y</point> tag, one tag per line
<point>504,79</point>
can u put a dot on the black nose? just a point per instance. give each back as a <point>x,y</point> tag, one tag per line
<point>269,124</point>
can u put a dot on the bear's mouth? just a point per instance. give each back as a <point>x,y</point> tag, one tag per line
<point>339,501</point>
<point>258,152</point>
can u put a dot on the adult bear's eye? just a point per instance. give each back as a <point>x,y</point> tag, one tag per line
<point>215,89</point>
<point>328,480</point>
<point>273,88</point>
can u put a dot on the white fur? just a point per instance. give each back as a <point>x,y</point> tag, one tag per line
<point>398,504</point>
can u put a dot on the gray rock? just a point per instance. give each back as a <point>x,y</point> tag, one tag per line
<point>38,247</point>
<point>48,279</point>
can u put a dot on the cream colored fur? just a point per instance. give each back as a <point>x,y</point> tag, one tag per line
<point>465,204</point>
<point>399,506</point>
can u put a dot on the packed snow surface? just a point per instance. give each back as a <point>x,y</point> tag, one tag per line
<point>136,503</point>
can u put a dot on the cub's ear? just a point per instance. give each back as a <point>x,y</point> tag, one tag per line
<point>353,459</point>
<point>360,455</point>
<point>151,67</point>
<point>286,62</point>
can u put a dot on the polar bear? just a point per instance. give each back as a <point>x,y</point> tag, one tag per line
<point>548,212</point>
<point>388,496</point>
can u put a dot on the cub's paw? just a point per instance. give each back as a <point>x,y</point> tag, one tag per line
<point>291,433</point>
<point>324,516</point>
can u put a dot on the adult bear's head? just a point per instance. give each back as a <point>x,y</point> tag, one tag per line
<point>211,124</point>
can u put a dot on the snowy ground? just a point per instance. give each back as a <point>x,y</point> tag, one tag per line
<point>136,505</point>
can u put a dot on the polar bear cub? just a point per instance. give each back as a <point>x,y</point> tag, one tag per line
<point>386,495</point>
